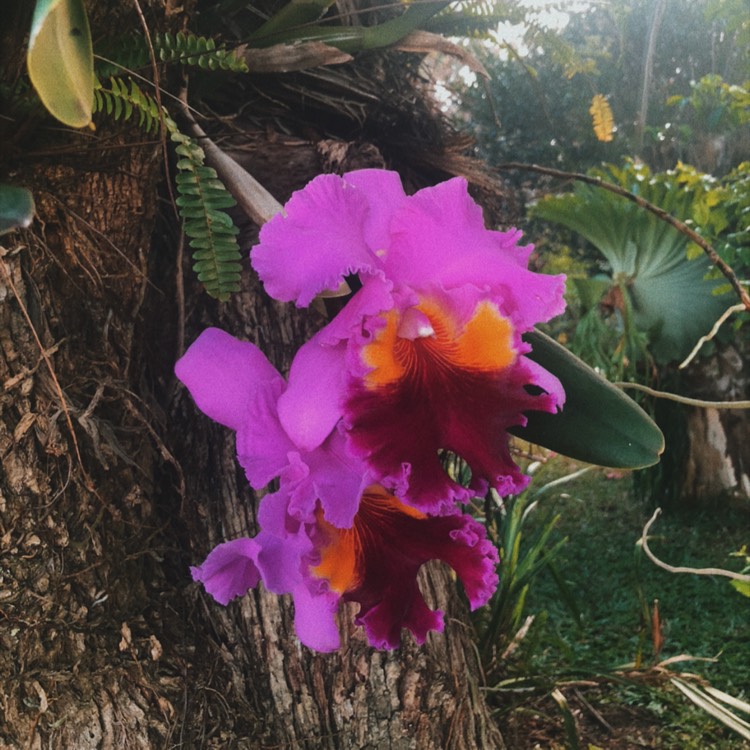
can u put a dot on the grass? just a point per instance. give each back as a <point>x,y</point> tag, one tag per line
<point>613,587</point>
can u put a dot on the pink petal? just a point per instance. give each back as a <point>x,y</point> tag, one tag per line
<point>439,239</point>
<point>262,443</point>
<point>311,404</point>
<point>222,375</point>
<point>315,618</point>
<point>229,570</point>
<point>315,243</point>
<point>385,195</point>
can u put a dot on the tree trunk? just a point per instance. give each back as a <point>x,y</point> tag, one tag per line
<point>113,483</point>
<point>717,461</point>
<point>707,456</point>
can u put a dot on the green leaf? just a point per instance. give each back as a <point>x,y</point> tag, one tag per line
<point>742,586</point>
<point>599,423</point>
<point>60,60</point>
<point>16,208</point>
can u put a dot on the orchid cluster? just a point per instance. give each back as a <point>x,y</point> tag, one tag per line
<point>425,357</point>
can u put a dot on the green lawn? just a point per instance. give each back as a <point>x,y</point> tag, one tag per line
<point>611,584</point>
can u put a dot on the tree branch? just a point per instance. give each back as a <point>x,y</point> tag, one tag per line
<point>684,399</point>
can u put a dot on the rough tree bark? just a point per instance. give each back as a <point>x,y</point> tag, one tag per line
<point>112,483</point>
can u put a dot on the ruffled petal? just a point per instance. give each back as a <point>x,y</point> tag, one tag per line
<point>376,562</point>
<point>459,389</point>
<point>222,374</point>
<point>230,570</point>
<point>373,298</point>
<point>315,243</point>
<point>439,239</point>
<point>338,480</point>
<point>384,622</point>
<point>311,404</point>
<point>385,195</point>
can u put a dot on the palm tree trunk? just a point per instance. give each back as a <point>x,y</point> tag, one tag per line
<point>112,484</point>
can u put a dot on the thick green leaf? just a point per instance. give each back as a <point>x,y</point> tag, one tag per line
<point>61,60</point>
<point>16,208</point>
<point>357,38</point>
<point>599,424</point>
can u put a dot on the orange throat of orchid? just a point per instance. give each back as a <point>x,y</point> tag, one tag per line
<point>344,551</point>
<point>434,341</point>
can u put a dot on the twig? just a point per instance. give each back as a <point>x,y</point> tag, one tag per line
<point>659,212</point>
<point>579,696</point>
<point>684,399</point>
<point>680,569</point>
<point>714,330</point>
<point>180,293</point>
<point>157,96</point>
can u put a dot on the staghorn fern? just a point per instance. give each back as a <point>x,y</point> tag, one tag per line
<point>202,197</point>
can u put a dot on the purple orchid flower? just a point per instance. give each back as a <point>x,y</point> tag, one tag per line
<point>329,533</point>
<point>427,355</point>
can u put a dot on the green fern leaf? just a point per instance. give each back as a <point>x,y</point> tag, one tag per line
<point>202,196</point>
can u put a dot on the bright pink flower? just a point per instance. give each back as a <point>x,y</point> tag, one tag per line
<point>328,533</point>
<point>427,355</point>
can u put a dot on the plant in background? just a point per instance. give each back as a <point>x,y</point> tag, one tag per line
<point>712,122</point>
<point>523,556</point>
<point>657,298</point>
<point>16,208</point>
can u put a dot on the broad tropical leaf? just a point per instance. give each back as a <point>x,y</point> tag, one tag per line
<point>670,296</point>
<point>16,208</point>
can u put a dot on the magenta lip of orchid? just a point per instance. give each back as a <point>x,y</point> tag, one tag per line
<point>426,356</point>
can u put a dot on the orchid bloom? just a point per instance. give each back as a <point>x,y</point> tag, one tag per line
<point>427,355</point>
<point>329,533</point>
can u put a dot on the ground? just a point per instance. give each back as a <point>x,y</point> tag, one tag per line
<point>592,672</point>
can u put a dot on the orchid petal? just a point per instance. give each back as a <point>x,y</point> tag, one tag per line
<point>315,243</point>
<point>222,375</point>
<point>315,618</point>
<point>230,570</point>
<point>385,195</point>
<point>262,443</point>
<point>311,404</point>
<point>432,246</point>
<point>376,562</point>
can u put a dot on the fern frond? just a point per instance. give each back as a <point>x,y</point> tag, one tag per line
<point>131,53</point>
<point>121,99</point>
<point>202,196</point>
<point>190,49</point>
<point>211,232</point>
